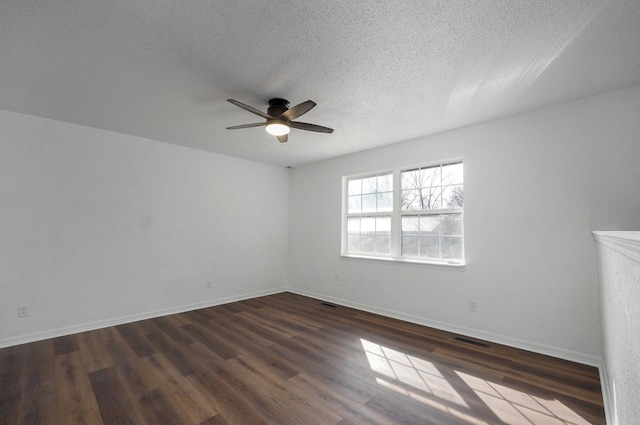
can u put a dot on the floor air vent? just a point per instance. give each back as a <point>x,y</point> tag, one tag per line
<point>330,305</point>
<point>470,341</point>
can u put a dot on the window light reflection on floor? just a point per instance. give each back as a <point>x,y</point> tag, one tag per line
<point>421,380</point>
<point>410,371</point>
<point>517,407</point>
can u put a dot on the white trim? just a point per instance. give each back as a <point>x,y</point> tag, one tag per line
<point>474,333</point>
<point>53,333</point>
<point>570,355</point>
<point>453,160</point>
<point>458,266</point>
<point>608,398</point>
<point>396,220</point>
<point>395,215</point>
<point>628,243</point>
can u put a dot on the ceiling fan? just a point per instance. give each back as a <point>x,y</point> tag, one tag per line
<point>280,118</point>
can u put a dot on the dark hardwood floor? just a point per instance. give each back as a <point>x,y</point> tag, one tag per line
<point>287,359</point>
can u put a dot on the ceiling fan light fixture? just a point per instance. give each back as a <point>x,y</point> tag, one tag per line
<point>280,118</point>
<point>278,127</point>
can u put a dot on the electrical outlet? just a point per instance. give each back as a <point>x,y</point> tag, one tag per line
<point>473,306</point>
<point>207,285</point>
<point>23,310</point>
<point>337,277</point>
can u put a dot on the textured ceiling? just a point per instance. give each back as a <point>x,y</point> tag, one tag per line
<point>381,72</point>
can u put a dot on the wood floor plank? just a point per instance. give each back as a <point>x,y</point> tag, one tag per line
<point>275,364</point>
<point>299,409</point>
<point>141,376</point>
<point>119,352</point>
<point>297,323</point>
<point>79,405</point>
<point>172,328</point>
<point>118,405</point>
<point>65,345</point>
<point>405,413</point>
<point>174,353</point>
<point>107,336</point>
<point>39,393</point>
<point>225,399</point>
<point>257,397</point>
<point>337,400</point>
<point>92,353</point>
<point>157,410</point>
<point>340,378</point>
<point>260,320</point>
<point>135,337</point>
<point>287,359</point>
<point>216,343</point>
<point>216,420</point>
<point>186,398</point>
<point>12,372</point>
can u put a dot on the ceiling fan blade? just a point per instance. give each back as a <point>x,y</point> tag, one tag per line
<point>311,127</point>
<point>299,110</point>
<point>249,108</point>
<point>255,124</point>
<point>283,138</point>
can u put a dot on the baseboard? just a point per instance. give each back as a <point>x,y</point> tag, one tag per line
<point>54,333</point>
<point>607,397</point>
<point>470,332</point>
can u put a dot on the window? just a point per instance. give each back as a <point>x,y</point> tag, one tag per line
<point>406,214</point>
<point>370,204</point>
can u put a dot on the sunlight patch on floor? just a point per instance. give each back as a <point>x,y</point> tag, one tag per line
<point>410,372</point>
<point>519,408</point>
<point>472,420</point>
<point>421,380</point>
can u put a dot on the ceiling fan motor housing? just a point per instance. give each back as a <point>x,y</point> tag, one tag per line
<point>277,106</point>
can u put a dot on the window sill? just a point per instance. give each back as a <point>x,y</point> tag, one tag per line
<point>407,262</point>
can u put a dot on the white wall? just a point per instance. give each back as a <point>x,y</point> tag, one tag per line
<point>619,275</point>
<point>536,184</point>
<point>99,228</point>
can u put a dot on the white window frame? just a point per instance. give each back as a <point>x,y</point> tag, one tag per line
<point>396,214</point>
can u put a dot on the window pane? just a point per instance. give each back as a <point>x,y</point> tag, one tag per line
<point>452,247</point>
<point>355,204</point>
<point>368,243</point>
<point>383,246</point>
<point>410,223</point>
<point>429,224</point>
<point>353,243</point>
<point>431,198</point>
<point>429,247</point>
<point>430,177</point>
<point>411,200</point>
<point>410,179</point>
<point>452,196</point>
<point>369,203</point>
<point>383,225</point>
<point>426,198</point>
<point>385,201</point>
<point>355,187</point>
<point>369,185</point>
<point>452,174</point>
<point>409,246</point>
<point>368,225</point>
<point>451,224</point>
<point>385,183</point>
<point>353,225</point>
